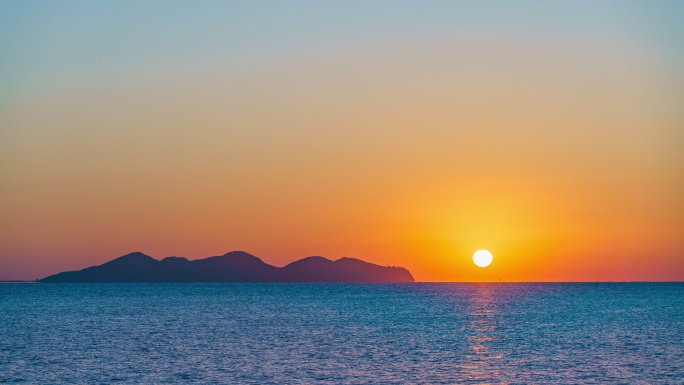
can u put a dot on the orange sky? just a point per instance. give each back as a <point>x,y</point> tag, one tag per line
<point>557,149</point>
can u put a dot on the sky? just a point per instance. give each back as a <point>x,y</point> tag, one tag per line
<point>398,132</point>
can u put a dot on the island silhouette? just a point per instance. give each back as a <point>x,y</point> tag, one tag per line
<point>235,266</point>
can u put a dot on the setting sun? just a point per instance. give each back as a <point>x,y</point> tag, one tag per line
<point>482,258</point>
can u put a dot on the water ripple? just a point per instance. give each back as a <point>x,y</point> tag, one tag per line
<point>342,334</point>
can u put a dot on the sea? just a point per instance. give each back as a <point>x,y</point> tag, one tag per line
<point>415,333</point>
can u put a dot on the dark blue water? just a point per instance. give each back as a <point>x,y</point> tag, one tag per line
<point>629,333</point>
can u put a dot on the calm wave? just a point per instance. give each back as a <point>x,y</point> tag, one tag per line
<point>631,333</point>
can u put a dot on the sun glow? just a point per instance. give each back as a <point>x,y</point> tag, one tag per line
<point>482,258</point>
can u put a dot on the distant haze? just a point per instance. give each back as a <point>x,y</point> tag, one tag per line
<point>401,133</point>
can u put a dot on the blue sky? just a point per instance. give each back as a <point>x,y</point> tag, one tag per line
<point>54,44</point>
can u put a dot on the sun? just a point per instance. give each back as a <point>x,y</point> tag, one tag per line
<point>482,258</point>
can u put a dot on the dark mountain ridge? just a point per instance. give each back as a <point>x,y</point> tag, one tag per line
<point>235,266</point>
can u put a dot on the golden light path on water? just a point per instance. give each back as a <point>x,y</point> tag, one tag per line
<point>481,364</point>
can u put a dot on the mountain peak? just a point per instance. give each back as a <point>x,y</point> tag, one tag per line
<point>175,259</point>
<point>238,253</point>
<point>313,260</point>
<point>135,256</point>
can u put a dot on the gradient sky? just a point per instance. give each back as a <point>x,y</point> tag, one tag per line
<point>402,133</point>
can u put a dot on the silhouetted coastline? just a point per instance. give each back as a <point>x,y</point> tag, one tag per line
<point>235,266</point>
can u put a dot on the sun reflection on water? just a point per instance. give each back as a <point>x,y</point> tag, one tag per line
<point>482,363</point>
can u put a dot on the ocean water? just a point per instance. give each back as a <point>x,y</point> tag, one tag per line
<point>503,333</point>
